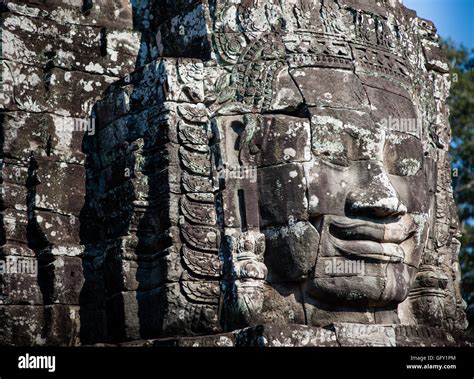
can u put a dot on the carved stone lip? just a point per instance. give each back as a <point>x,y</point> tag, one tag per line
<point>367,240</point>
<point>362,230</point>
<point>381,252</point>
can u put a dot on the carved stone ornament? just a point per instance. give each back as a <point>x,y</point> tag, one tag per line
<point>289,181</point>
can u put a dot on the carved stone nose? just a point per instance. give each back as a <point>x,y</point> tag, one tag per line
<point>377,198</point>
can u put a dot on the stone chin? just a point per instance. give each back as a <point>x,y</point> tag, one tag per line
<point>366,291</point>
<point>366,264</point>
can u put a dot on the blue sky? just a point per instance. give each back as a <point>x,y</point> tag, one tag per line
<point>453,18</point>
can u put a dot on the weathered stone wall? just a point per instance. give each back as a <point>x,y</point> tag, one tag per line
<point>137,188</point>
<point>58,57</point>
<point>176,262</point>
<point>140,228</point>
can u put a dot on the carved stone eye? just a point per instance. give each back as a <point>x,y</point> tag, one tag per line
<point>403,157</point>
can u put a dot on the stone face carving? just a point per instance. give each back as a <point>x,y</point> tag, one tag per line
<point>245,288</point>
<point>280,163</point>
<point>304,180</point>
<point>305,150</point>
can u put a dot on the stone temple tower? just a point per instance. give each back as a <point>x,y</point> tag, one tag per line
<point>252,168</point>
